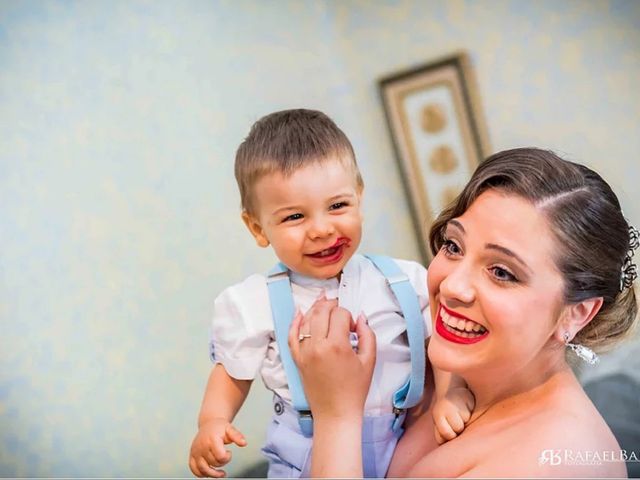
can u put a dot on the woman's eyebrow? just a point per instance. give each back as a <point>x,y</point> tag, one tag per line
<point>510,253</point>
<point>457,224</point>
<point>494,246</point>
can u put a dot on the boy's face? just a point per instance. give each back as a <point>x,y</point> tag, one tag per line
<point>312,218</point>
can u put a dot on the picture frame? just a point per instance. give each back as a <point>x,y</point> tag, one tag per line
<point>439,135</point>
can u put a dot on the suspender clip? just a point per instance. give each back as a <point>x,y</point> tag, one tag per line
<point>396,279</point>
<point>275,277</point>
<point>305,420</point>
<point>399,420</point>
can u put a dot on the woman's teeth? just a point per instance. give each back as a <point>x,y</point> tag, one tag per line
<point>461,327</point>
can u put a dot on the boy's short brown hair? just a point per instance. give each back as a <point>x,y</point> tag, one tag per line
<point>286,141</point>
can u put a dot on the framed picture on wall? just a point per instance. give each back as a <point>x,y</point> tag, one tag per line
<point>438,133</point>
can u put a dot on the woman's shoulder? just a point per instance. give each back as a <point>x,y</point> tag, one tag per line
<point>557,434</point>
<point>562,436</point>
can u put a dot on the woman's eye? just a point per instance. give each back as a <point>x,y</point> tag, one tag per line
<point>449,247</point>
<point>295,216</point>
<point>503,275</point>
<point>338,205</point>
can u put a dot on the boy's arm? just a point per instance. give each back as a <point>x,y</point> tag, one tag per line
<point>223,398</point>
<point>454,403</point>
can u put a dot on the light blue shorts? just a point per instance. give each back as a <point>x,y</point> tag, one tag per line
<point>289,451</point>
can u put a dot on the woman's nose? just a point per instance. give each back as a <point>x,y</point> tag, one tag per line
<point>458,285</point>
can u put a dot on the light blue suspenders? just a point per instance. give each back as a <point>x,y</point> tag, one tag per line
<point>283,310</point>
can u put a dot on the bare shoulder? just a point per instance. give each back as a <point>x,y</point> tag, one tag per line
<point>556,433</point>
<point>563,437</point>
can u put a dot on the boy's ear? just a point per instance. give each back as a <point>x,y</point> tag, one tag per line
<point>577,316</point>
<point>256,230</point>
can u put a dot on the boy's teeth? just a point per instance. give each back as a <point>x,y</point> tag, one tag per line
<point>328,251</point>
<point>464,328</point>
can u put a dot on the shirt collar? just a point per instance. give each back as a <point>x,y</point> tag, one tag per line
<point>329,283</point>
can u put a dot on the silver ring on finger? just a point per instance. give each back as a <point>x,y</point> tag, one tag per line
<point>302,336</point>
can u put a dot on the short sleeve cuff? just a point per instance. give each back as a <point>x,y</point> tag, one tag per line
<point>240,369</point>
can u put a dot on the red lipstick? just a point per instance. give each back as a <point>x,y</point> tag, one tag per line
<point>451,336</point>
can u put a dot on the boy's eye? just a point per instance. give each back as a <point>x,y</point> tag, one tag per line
<point>338,205</point>
<point>295,216</point>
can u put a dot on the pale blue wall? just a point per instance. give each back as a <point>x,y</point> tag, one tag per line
<point>119,213</point>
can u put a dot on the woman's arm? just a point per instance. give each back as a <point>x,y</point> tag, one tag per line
<point>418,438</point>
<point>336,382</point>
<point>337,451</point>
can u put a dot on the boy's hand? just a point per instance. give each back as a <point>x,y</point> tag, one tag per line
<point>207,450</point>
<point>452,412</point>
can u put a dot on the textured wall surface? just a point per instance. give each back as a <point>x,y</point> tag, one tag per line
<point>119,213</point>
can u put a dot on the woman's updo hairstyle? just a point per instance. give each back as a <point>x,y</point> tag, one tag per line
<point>584,215</point>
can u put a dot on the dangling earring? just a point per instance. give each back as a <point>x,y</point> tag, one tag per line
<point>585,353</point>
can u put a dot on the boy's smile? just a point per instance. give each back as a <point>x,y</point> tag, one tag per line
<point>332,254</point>
<point>311,218</point>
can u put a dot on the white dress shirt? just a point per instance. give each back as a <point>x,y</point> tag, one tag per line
<point>243,339</point>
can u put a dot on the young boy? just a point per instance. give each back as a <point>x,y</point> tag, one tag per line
<point>301,193</point>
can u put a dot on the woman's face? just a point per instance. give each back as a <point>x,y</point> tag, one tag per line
<point>495,292</point>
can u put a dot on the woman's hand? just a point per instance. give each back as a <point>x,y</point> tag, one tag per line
<point>336,378</point>
<point>336,381</point>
